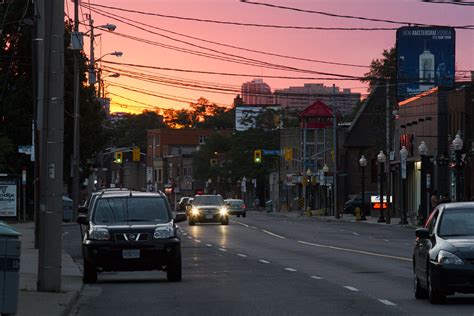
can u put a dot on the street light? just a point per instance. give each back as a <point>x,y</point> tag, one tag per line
<point>363,164</point>
<point>423,151</point>
<point>381,158</point>
<point>457,146</point>
<point>403,174</point>
<point>325,170</point>
<point>93,62</point>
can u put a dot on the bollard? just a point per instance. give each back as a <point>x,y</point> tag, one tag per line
<point>357,213</point>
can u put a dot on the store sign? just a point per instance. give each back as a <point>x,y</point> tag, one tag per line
<point>8,198</point>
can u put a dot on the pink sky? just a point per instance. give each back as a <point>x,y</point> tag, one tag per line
<point>353,47</point>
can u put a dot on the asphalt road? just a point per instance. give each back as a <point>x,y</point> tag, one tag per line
<point>272,265</point>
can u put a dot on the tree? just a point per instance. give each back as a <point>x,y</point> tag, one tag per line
<point>382,69</point>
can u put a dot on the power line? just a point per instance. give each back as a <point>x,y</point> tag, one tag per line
<point>248,24</point>
<point>237,47</point>
<point>348,16</point>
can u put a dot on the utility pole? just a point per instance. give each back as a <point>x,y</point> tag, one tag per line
<point>51,28</point>
<point>92,77</point>
<point>76,141</point>
<point>334,119</point>
<point>387,150</point>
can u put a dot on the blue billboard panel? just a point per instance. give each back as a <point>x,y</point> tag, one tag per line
<point>425,59</point>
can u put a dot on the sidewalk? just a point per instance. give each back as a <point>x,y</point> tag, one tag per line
<point>394,221</point>
<point>31,302</point>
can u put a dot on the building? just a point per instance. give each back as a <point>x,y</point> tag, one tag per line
<point>256,92</point>
<point>169,159</point>
<point>299,98</point>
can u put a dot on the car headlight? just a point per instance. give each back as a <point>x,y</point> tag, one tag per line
<point>99,233</point>
<point>223,211</point>
<point>445,257</point>
<point>164,231</point>
<point>194,211</point>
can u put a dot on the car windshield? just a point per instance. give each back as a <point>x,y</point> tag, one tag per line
<point>237,203</point>
<point>208,200</point>
<point>131,209</point>
<point>457,222</point>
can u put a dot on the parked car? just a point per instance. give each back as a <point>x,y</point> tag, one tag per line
<point>208,208</point>
<point>443,257</point>
<point>236,207</point>
<point>131,231</point>
<point>352,204</point>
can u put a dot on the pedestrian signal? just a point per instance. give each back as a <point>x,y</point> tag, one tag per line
<point>288,153</point>
<point>118,157</point>
<point>257,156</point>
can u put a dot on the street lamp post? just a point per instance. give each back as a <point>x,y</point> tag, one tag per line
<point>457,146</point>
<point>308,190</point>
<point>423,151</point>
<point>381,158</point>
<point>403,174</point>
<point>325,171</point>
<point>363,164</point>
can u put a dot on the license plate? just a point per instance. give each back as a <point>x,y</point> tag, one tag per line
<point>209,216</point>
<point>131,253</point>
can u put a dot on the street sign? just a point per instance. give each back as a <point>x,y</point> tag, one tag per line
<point>276,152</point>
<point>25,149</point>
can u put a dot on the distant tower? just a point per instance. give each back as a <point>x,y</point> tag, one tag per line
<point>427,66</point>
<point>256,92</point>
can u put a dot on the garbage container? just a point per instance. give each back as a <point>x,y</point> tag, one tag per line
<point>68,212</point>
<point>269,206</point>
<point>10,250</point>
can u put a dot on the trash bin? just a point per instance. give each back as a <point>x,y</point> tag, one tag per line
<point>68,212</point>
<point>10,250</point>
<point>269,206</point>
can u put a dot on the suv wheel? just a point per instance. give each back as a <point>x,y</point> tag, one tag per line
<point>245,214</point>
<point>419,291</point>
<point>191,222</point>
<point>434,295</point>
<point>90,273</point>
<point>225,221</point>
<point>174,271</point>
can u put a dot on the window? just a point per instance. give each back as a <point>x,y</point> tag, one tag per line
<point>160,175</point>
<point>154,175</point>
<point>134,209</point>
<point>157,140</point>
<point>202,140</point>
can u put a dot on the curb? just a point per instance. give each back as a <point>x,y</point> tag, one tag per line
<point>72,301</point>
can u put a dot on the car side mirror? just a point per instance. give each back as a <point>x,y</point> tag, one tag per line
<point>82,219</point>
<point>180,217</point>
<point>422,233</point>
<point>82,210</point>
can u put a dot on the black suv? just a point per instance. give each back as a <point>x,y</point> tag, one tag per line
<point>351,205</point>
<point>131,231</point>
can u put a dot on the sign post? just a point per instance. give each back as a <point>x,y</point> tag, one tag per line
<point>23,186</point>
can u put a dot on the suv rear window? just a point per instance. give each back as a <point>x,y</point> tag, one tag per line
<point>208,200</point>
<point>134,209</point>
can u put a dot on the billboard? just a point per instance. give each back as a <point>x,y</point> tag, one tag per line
<point>247,117</point>
<point>425,59</point>
<point>8,197</point>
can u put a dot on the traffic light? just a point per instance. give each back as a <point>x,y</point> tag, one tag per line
<point>136,154</point>
<point>118,157</point>
<point>257,156</point>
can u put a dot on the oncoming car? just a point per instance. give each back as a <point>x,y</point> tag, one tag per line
<point>208,208</point>
<point>236,207</point>
<point>131,231</point>
<point>443,257</point>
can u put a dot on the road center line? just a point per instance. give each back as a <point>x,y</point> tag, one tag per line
<point>316,277</point>
<point>264,261</point>
<point>197,240</point>
<point>240,223</point>
<point>209,245</point>
<point>290,269</point>
<point>355,234</point>
<point>189,237</point>
<point>354,250</point>
<point>270,233</point>
<point>351,288</point>
<point>222,249</point>
<point>241,255</point>
<point>387,302</point>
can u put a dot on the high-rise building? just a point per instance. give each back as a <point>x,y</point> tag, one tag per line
<point>256,92</point>
<point>299,98</point>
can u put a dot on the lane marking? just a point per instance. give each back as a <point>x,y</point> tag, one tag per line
<point>387,302</point>
<point>241,255</point>
<point>253,227</point>
<point>355,251</point>
<point>355,234</point>
<point>197,240</point>
<point>240,223</point>
<point>189,237</point>
<point>222,249</point>
<point>316,277</point>
<point>273,234</point>
<point>264,261</point>
<point>351,288</point>
<point>291,269</point>
<point>209,245</point>
<point>386,240</point>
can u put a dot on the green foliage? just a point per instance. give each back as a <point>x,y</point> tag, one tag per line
<point>382,69</point>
